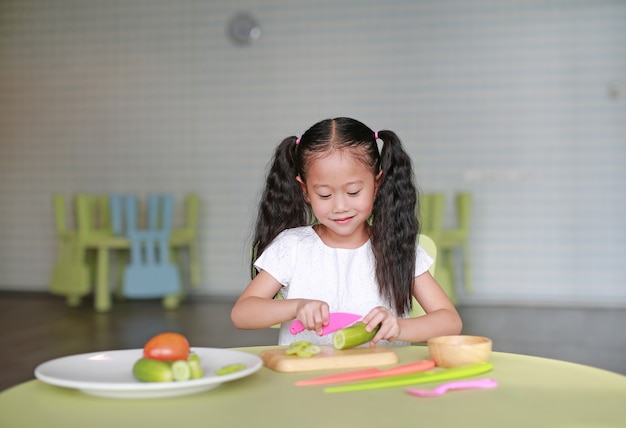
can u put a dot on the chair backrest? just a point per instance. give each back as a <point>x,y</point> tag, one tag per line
<point>192,203</point>
<point>463,213</point>
<point>185,235</point>
<point>160,211</point>
<point>124,213</point>
<point>431,248</point>
<point>431,210</point>
<point>92,214</point>
<point>60,215</point>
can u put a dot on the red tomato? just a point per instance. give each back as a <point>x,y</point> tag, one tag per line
<point>167,347</point>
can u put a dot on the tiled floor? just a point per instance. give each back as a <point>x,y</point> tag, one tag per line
<point>37,327</point>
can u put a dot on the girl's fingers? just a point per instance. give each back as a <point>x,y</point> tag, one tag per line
<point>325,314</point>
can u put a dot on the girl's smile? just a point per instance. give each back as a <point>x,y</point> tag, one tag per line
<point>344,220</point>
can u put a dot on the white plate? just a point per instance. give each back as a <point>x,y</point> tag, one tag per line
<point>110,373</point>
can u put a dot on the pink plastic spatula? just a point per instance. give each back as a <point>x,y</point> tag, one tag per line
<point>461,384</point>
<point>337,321</point>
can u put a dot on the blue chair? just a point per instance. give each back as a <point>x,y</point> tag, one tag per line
<point>149,273</point>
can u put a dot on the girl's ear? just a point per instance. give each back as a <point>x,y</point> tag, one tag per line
<point>303,187</point>
<point>377,181</point>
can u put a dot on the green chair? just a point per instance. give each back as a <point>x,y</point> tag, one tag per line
<point>431,211</point>
<point>456,241</point>
<point>83,255</point>
<point>70,275</point>
<point>428,244</point>
<point>431,206</point>
<point>184,238</point>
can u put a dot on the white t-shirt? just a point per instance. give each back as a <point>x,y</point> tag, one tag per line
<point>343,278</point>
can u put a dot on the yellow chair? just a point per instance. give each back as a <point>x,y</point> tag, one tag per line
<point>83,255</point>
<point>185,238</point>
<point>431,216</point>
<point>431,206</point>
<point>70,276</point>
<point>96,239</point>
<point>456,240</point>
<point>428,244</point>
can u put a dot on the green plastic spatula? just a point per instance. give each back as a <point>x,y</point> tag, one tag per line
<point>416,378</point>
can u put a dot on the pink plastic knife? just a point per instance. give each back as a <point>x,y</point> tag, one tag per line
<point>337,321</point>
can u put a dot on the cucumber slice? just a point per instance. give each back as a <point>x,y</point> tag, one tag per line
<point>295,347</point>
<point>231,368</point>
<point>181,370</point>
<point>196,369</point>
<point>309,351</point>
<point>352,336</point>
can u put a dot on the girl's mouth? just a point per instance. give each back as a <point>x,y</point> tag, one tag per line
<point>343,220</point>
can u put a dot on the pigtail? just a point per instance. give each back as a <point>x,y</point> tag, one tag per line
<point>395,225</point>
<point>282,204</point>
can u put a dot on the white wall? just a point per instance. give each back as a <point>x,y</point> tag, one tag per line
<point>510,100</point>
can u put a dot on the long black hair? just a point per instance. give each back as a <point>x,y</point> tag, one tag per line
<point>394,224</point>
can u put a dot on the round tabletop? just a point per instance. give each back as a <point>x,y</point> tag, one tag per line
<point>531,392</point>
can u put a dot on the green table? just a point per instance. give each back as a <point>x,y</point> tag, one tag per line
<point>532,392</point>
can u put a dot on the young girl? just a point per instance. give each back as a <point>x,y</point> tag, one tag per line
<point>336,232</point>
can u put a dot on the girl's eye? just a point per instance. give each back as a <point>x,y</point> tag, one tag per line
<point>353,193</point>
<point>324,196</point>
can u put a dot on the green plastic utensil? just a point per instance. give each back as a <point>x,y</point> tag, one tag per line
<point>416,378</point>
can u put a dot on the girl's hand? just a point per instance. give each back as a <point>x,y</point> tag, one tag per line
<point>389,327</point>
<point>313,314</point>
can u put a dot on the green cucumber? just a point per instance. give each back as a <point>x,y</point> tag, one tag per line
<point>149,370</point>
<point>352,336</point>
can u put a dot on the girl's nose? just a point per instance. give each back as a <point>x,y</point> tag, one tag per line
<point>340,204</point>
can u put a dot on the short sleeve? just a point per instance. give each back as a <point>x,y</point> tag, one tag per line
<point>279,258</point>
<point>422,261</point>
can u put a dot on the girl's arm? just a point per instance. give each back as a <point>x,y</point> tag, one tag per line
<point>441,317</point>
<point>256,308</point>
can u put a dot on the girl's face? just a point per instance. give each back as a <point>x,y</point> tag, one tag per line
<point>341,191</point>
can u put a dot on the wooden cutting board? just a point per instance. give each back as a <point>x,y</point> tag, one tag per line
<point>328,358</point>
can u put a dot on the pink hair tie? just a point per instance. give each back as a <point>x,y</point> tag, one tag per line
<point>376,135</point>
<point>297,140</point>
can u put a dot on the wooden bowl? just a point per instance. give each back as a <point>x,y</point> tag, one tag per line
<point>460,350</point>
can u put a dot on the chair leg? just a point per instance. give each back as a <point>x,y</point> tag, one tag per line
<point>172,301</point>
<point>194,265</point>
<point>102,301</point>
<point>122,259</point>
<point>73,301</point>
<point>467,268</point>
